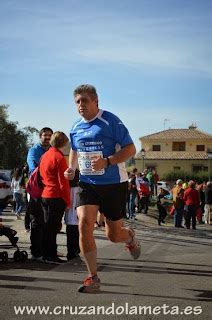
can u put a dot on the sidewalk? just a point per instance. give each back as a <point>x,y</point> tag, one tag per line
<point>174,269</point>
<point>9,219</point>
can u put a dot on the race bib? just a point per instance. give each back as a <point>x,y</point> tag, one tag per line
<point>84,160</point>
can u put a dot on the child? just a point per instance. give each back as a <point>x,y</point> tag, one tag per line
<point>17,187</point>
<point>161,205</point>
<point>71,221</point>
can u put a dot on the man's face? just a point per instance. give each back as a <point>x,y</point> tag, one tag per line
<point>45,138</point>
<point>86,106</point>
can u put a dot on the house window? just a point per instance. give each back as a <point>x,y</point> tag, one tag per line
<point>156,147</point>
<point>197,168</point>
<point>176,168</point>
<point>200,147</point>
<point>178,146</point>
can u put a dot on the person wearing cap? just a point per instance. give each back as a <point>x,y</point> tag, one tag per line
<point>192,203</point>
<point>178,203</point>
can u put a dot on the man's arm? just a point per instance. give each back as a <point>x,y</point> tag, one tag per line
<point>73,163</point>
<point>121,156</point>
<point>32,160</point>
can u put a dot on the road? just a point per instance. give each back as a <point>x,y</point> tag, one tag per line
<point>170,280</point>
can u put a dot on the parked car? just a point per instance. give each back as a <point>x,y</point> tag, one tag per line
<point>164,185</point>
<point>6,194</point>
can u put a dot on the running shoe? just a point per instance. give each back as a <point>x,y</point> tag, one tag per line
<point>134,246</point>
<point>90,285</point>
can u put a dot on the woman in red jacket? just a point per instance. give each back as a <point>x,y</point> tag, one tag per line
<point>192,202</point>
<point>55,195</point>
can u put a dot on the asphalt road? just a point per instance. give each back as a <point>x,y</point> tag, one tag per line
<point>170,280</point>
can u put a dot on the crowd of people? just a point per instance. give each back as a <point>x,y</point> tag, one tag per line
<point>94,184</point>
<point>188,202</point>
<point>141,187</point>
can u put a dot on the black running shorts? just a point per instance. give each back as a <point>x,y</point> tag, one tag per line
<point>110,198</point>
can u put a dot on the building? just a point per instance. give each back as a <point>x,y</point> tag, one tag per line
<point>187,150</point>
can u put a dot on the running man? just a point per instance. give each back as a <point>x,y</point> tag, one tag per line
<point>100,146</point>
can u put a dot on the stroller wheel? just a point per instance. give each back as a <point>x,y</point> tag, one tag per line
<point>17,256</point>
<point>24,255</point>
<point>4,256</point>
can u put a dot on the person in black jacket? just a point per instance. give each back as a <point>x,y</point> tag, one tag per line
<point>208,202</point>
<point>161,207</point>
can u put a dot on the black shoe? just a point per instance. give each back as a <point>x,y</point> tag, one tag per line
<point>75,260</point>
<point>13,241</point>
<point>54,260</point>
<point>71,257</point>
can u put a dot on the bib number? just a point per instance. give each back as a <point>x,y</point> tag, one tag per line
<point>84,161</point>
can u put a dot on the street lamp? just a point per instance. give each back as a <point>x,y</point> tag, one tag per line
<point>142,155</point>
<point>209,153</point>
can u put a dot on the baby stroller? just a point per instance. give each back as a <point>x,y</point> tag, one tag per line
<point>11,235</point>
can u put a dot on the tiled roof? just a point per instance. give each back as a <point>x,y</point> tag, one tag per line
<point>177,134</point>
<point>172,155</point>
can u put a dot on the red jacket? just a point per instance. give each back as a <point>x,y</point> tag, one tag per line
<point>52,167</point>
<point>191,197</point>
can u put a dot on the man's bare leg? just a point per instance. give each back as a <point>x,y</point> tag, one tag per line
<point>116,232</point>
<point>87,216</point>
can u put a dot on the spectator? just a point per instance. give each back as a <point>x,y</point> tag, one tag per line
<point>192,202</point>
<point>208,202</point>
<point>17,187</point>
<point>132,196</point>
<point>162,212</point>
<point>178,203</point>
<point>202,202</point>
<point>71,220</point>
<point>34,206</point>
<point>55,195</point>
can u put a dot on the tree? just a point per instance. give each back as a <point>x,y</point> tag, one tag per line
<point>14,142</point>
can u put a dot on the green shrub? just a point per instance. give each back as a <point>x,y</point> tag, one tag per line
<point>185,176</point>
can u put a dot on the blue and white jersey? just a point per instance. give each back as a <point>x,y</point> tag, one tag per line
<point>101,136</point>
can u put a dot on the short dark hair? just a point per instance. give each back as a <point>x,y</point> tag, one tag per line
<point>44,130</point>
<point>88,88</point>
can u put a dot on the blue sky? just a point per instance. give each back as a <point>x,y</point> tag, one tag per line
<point>150,60</point>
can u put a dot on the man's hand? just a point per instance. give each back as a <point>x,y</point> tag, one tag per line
<point>98,164</point>
<point>69,174</point>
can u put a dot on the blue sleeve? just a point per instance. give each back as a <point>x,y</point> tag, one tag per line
<point>33,159</point>
<point>121,133</point>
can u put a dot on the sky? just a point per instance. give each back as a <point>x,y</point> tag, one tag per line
<point>150,61</point>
